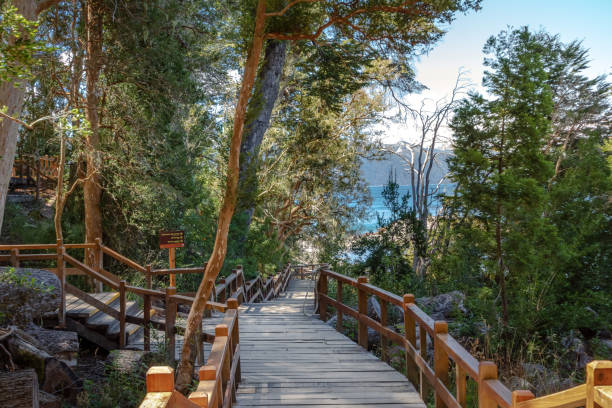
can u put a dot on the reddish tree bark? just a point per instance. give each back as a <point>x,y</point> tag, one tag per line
<point>215,262</point>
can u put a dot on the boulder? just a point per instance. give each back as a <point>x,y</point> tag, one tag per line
<point>373,308</point>
<point>532,370</point>
<point>47,400</point>
<point>444,306</point>
<point>63,345</point>
<point>126,361</point>
<point>60,380</point>
<point>27,294</point>
<point>607,343</point>
<point>518,383</point>
<point>577,350</point>
<point>56,377</point>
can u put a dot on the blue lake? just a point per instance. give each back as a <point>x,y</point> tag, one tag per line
<point>370,223</point>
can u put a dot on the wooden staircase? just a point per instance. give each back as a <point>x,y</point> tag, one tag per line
<point>108,318</point>
<point>92,323</point>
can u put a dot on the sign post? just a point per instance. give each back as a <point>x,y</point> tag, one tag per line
<point>171,240</point>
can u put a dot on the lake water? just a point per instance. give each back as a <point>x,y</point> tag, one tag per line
<point>370,223</point>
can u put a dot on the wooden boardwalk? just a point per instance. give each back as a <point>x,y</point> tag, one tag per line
<point>290,359</point>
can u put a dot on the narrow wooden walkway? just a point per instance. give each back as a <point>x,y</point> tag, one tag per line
<point>290,359</point>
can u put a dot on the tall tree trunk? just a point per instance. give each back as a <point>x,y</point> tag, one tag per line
<point>11,96</point>
<point>501,275</point>
<point>91,188</point>
<point>259,112</point>
<point>215,262</point>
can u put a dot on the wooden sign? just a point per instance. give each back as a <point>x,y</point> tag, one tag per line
<point>171,239</point>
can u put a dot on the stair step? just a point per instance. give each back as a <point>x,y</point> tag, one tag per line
<point>132,309</point>
<point>100,320</point>
<point>78,309</point>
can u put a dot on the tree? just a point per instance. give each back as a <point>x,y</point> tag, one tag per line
<point>397,23</point>
<point>500,169</point>
<point>17,28</point>
<point>420,159</point>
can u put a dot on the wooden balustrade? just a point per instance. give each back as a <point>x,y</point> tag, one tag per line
<point>425,377</point>
<point>233,285</point>
<point>218,377</point>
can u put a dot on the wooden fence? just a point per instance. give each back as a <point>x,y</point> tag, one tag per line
<point>218,378</point>
<point>435,377</point>
<point>233,285</point>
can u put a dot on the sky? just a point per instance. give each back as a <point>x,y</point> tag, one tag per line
<point>461,48</point>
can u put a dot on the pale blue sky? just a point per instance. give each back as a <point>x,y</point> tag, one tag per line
<point>586,20</point>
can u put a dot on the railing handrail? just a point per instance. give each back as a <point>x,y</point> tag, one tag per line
<point>491,391</point>
<point>218,377</point>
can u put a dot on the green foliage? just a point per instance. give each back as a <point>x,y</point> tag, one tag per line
<point>18,44</point>
<point>25,280</point>
<point>388,251</point>
<point>501,172</point>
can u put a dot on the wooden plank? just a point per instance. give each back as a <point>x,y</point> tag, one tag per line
<point>571,398</point>
<point>289,359</point>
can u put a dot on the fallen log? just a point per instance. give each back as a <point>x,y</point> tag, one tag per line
<point>19,389</point>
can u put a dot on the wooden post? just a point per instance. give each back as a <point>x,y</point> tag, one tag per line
<point>338,311</point>
<point>122,312</point>
<point>598,373</point>
<point>383,322</point>
<point>487,370</point>
<point>222,296</point>
<point>222,331</point>
<point>172,265</point>
<point>147,322</point>
<point>148,277</point>
<point>412,370</point>
<point>322,302</point>
<point>160,379</point>
<point>170,323</point>
<point>233,304</point>
<point>99,259</point>
<point>15,258</point>
<point>461,383</point>
<point>425,387</point>
<point>520,396</point>
<point>62,278</point>
<point>234,282</point>
<point>441,362</point>
<point>146,310</point>
<point>362,303</point>
<point>37,179</point>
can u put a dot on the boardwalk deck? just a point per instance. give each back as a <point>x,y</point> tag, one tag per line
<point>290,359</point>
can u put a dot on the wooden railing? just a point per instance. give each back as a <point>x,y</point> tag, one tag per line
<point>230,286</point>
<point>218,378</point>
<point>27,169</point>
<point>435,376</point>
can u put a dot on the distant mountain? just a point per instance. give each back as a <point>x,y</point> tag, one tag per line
<point>376,172</point>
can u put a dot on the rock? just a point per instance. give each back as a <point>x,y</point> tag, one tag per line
<point>532,370</point>
<point>26,352</point>
<point>19,198</point>
<point>373,337</point>
<point>126,361</point>
<point>396,356</point>
<point>608,344</point>
<point>518,383</point>
<point>47,400</point>
<point>59,379</point>
<point>63,345</point>
<point>374,308</point>
<point>577,350</point>
<point>27,294</point>
<point>444,306</point>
